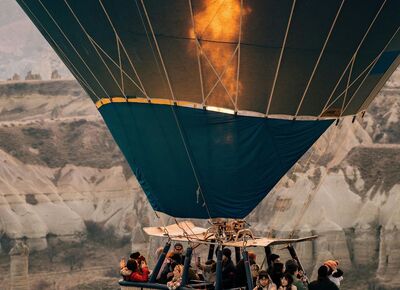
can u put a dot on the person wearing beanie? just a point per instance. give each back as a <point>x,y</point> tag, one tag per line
<point>292,268</point>
<point>323,282</point>
<point>264,282</point>
<point>331,264</point>
<point>228,269</point>
<point>335,274</point>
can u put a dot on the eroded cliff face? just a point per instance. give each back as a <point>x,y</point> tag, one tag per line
<point>60,168</point>
<point>346,189</point>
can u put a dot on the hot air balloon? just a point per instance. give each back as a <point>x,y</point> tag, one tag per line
<point>212,102</point>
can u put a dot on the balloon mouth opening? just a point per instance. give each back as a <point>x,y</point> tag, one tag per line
<point>330,115</point>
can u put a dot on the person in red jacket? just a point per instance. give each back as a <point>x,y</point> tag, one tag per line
<point>140,273</point>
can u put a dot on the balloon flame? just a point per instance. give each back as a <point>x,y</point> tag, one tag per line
<point>217,29</point>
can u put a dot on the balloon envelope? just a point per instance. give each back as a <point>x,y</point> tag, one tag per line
<point>185,86</point>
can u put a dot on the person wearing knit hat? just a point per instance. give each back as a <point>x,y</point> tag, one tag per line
<point>334,273</point>
<point>264,282</point>
<point>331,264</point>
<point>323,282</point>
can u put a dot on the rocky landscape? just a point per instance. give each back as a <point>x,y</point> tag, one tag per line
<point>62,175</point>
<point>67,192</point>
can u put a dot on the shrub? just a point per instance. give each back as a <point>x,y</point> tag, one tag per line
<point>42,284</point>
<point>104,235</point>
<point>31,199</point>
<point>6,243</point>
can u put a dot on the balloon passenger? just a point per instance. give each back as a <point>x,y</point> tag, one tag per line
<point>240,275</point>
<point>264,282</point>
<point>209,270</point>
<point>323,282</point>
<point>167,273</point>
<point>277,271</point>
<point>228,269</point>
<point>335,274</point>
<point>292,268</point>
<point>274,258</point>
<point>254,270</point>
<point>177,278</point>
<point>125,272</point>
<point>133,271</point>
<point>178,250</point>
<point>287,283</point>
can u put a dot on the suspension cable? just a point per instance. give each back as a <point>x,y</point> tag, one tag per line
<point>74,48</point>
<point>164,227</point>
<point>185,234</point>
<point>200,190</point>
<point>158,50</point>
<point>370,69</point>
<point>309,159</point>
<point>280,57</point>
<point>198,51</point>
<point>219,76</point>
<point>174,113</point>
<point>319,59</point>
<point>124,49</point>
<point>72,67</point>
<point>92,41</point>
<point>353,57</point>
<point>238,56</point>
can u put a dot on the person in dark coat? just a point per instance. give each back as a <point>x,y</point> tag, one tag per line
<point>275,269</point>
<point>167,273</point>
<point>277,273</point>
<point>323,282</point>
<point>228,269</point>
<point>292,268</point>
<point>240,275</point>
<point>334,274</point>
<point>178,251</point>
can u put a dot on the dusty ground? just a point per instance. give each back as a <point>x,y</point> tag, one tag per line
<point>90,264</point>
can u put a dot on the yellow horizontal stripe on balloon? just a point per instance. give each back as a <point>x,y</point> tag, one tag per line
<point>154,101</point>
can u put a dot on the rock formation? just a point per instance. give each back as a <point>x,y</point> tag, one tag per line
<point>19,266</point>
